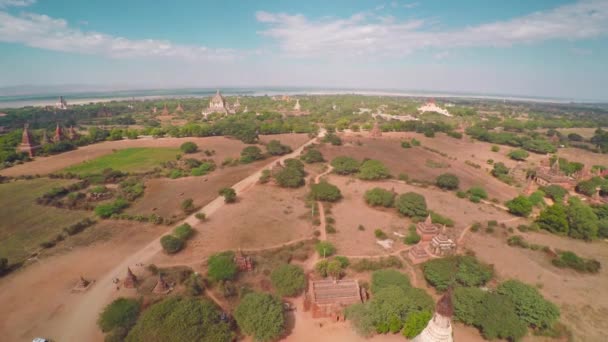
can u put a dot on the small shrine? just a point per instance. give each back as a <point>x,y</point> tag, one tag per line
<point>427,229</point>
<point>130,280</point>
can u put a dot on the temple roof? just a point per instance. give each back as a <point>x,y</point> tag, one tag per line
<point>444,305</point>
<point>343,292</point>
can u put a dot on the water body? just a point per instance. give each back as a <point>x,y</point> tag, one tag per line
<point>74,97</point>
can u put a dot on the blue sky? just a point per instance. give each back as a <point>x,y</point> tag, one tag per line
<point>535,48</point>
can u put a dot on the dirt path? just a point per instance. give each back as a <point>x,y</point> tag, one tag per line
<point>80,324</point>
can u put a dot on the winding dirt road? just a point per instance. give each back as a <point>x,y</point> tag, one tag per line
<point>80,325</point>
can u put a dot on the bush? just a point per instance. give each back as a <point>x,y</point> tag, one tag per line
<point>415,323</point>
<point>373,170</point>
<point>447,181</point>
<point>325,249</point>
<point>109,209</point>
<point>181,319</point>
<point>312,155</point>
<point>183,232</point>
<point>571,260</point>
<point>520,206</point>
<point>288,280</point>
<point>412,237</point>
<point>188,147</point>
<point>345,165</point>
<point>530,305</point>
<point>229,195</point>
<point>290,177</point>
<point>201,216</point>
<point>171,244</point>
<point>478,192</point>
<point>194,285</point>
<point>121,313</point>
<point>495,148</point>
<point>323,191</point>
<point>406,144</point>
<point>389,277</point>
<point>250,154</point>
<point>261,316</point>
<point>497,319</point>
<point>555,192</point>
<point>275,148</point>
<point>379,197</point>
<point>332,139</point>
<point>518,154</point>
<point>500,170</point>
<point>364,265</point>
<point>203,169</point>
<point>187,206</point>
<point>221,267</point>
<point>411,204</point>
<point>380,234</point>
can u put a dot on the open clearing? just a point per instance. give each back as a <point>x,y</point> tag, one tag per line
<point>582,298</point>
<point>263,217</point>
<point>136,159</point>
<point>25,224</point>
<point>224,147</point>
<point>415,161</point>
<point>352,211</point>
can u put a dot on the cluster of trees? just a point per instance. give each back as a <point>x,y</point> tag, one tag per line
<point>456,270</point>
<point>379,197</point>
<point>533,142</point>
<point>395,307</point>
<point>447,181</point>
<point>333,267</point>
<point>291,175</point>
<point>577,220</point>
<point>261,316</point>
<point>173,243</point>
<point>275,148</point>
<point>288,280</point>
<point>229,195</point>
<point>369,169</point>
<point>312,155</point>
<point>324,191</point>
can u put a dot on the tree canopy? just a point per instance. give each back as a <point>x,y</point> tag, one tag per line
<point>411,204</point>
<point>324,191</point>
<point>447,181</point>
<point>250,154</point>
<point>275,148</point>
<point>345,165</point>
<point>260,315</point>
<point>379,197</point>
<point>121,313</point>
<point>222,266</point>
<point>188,147</point>
<point>288,280</point>
<point>520,206</point>
<point>372,170</point>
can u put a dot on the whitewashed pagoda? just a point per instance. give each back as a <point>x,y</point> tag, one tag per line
<point>439,328</point>
<point>297,107</point>
<point>61,103</point>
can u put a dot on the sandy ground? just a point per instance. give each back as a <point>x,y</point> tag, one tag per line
<point>224,147</point>
<point>582,298</point>
<point>352,211</point>
<point>36,300</point>
<point>413,161</point>
<point>264,216</point>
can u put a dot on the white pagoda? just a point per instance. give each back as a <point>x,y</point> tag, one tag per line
<point>439,328</point>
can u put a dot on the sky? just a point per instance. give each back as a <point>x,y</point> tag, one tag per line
<point>517,47</point>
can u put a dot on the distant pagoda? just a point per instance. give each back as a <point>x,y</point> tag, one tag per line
<point>26,145</point>
<point>165,110</point>
<point>179,108</point>
<point>297,106</point>
<point>58,134</point>
<point>130,280</point>
<point>61,103</point>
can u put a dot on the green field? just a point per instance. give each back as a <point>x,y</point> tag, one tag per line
<point>24,224</point>
<point>137,159</point>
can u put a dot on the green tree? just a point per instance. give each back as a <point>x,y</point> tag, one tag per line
<point>290,176</point>
<point>587,187</point>
<point>289,280</point>
<point>499,169</point>
<point>312,155</point>
<point>323,191</point>
<point>325,248</point>
<point>187,206</point>
<point>183,231</point>
<point>188,147</point>
<point>334,269</point>
<point>345,165</point>
<point>530,305</point>
<point>467,304</point>
<point>415,323</point>
<point>497,319</point>
<point>389,277</point>
<point>250,154</point>
<point>554,219</point>
<point>171,244</point>
<point>555,192</point>
<point>372,170</point>
<point>221,266</point>
<point>518,154</point>
<point>379,197</point>
<point>520,206</point>
<point>411,204</point>
<point>261,316</point>
<point>582,221</point>
<point>478,192</point>
<point>447,181</point>
<point>229,195</point>
<point>181,319</point>
<point>275,148</point>
<point>121,313</point>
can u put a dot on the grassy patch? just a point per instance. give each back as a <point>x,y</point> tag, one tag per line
<point>137,159</point>
<point>24,224</point>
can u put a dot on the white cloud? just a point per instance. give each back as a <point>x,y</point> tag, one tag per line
<point>367,34</point>
<point>42,31</point>
<point>16,3</point>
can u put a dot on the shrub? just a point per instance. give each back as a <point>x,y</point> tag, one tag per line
<point>288,280</point>
<point>380,234</point>
<point>324,191</point>
<point>415,323</point>
<point>530,305</point>
<point>312,155</point>
<point>518,154</point>
<point>183,232</point>
<point>411,204</point>
<point>461,194</point>
<point>121,313</point>
<point>497,319</point>
<point>221,267</point>
<point>332,139</point>
<point>412,237</point>
<point>389,277</point>
<point>495,148</point>
<point>250,154</point>
<point>520,206</point>
<point>171,244</point>
<point>441,220</point>
<point>265,177</point>
<point>478,192</point>
<point>415,142</point>
<point>447,181</point>
<point>500,170</point>
<point>406,144</point>
<point>203,169</point>
<point>555,192</point>
<point>109,209</point>
<point>373,170</point>
<point>467,303</point>
<point>571,260</point>
<point>181,319</point>
<point>229,195</point>
<point>187,206</point>
<point>290,177</point>
<point>364,265</point>
<point>174,174</point>
<point>201,216</point>
<point>325,248</point>
<point>194,284</point>
<point>379,197</point>
<point>345,165</point>
<point>188,147</point>
<point>261,316</point>
<point>275,148</point>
